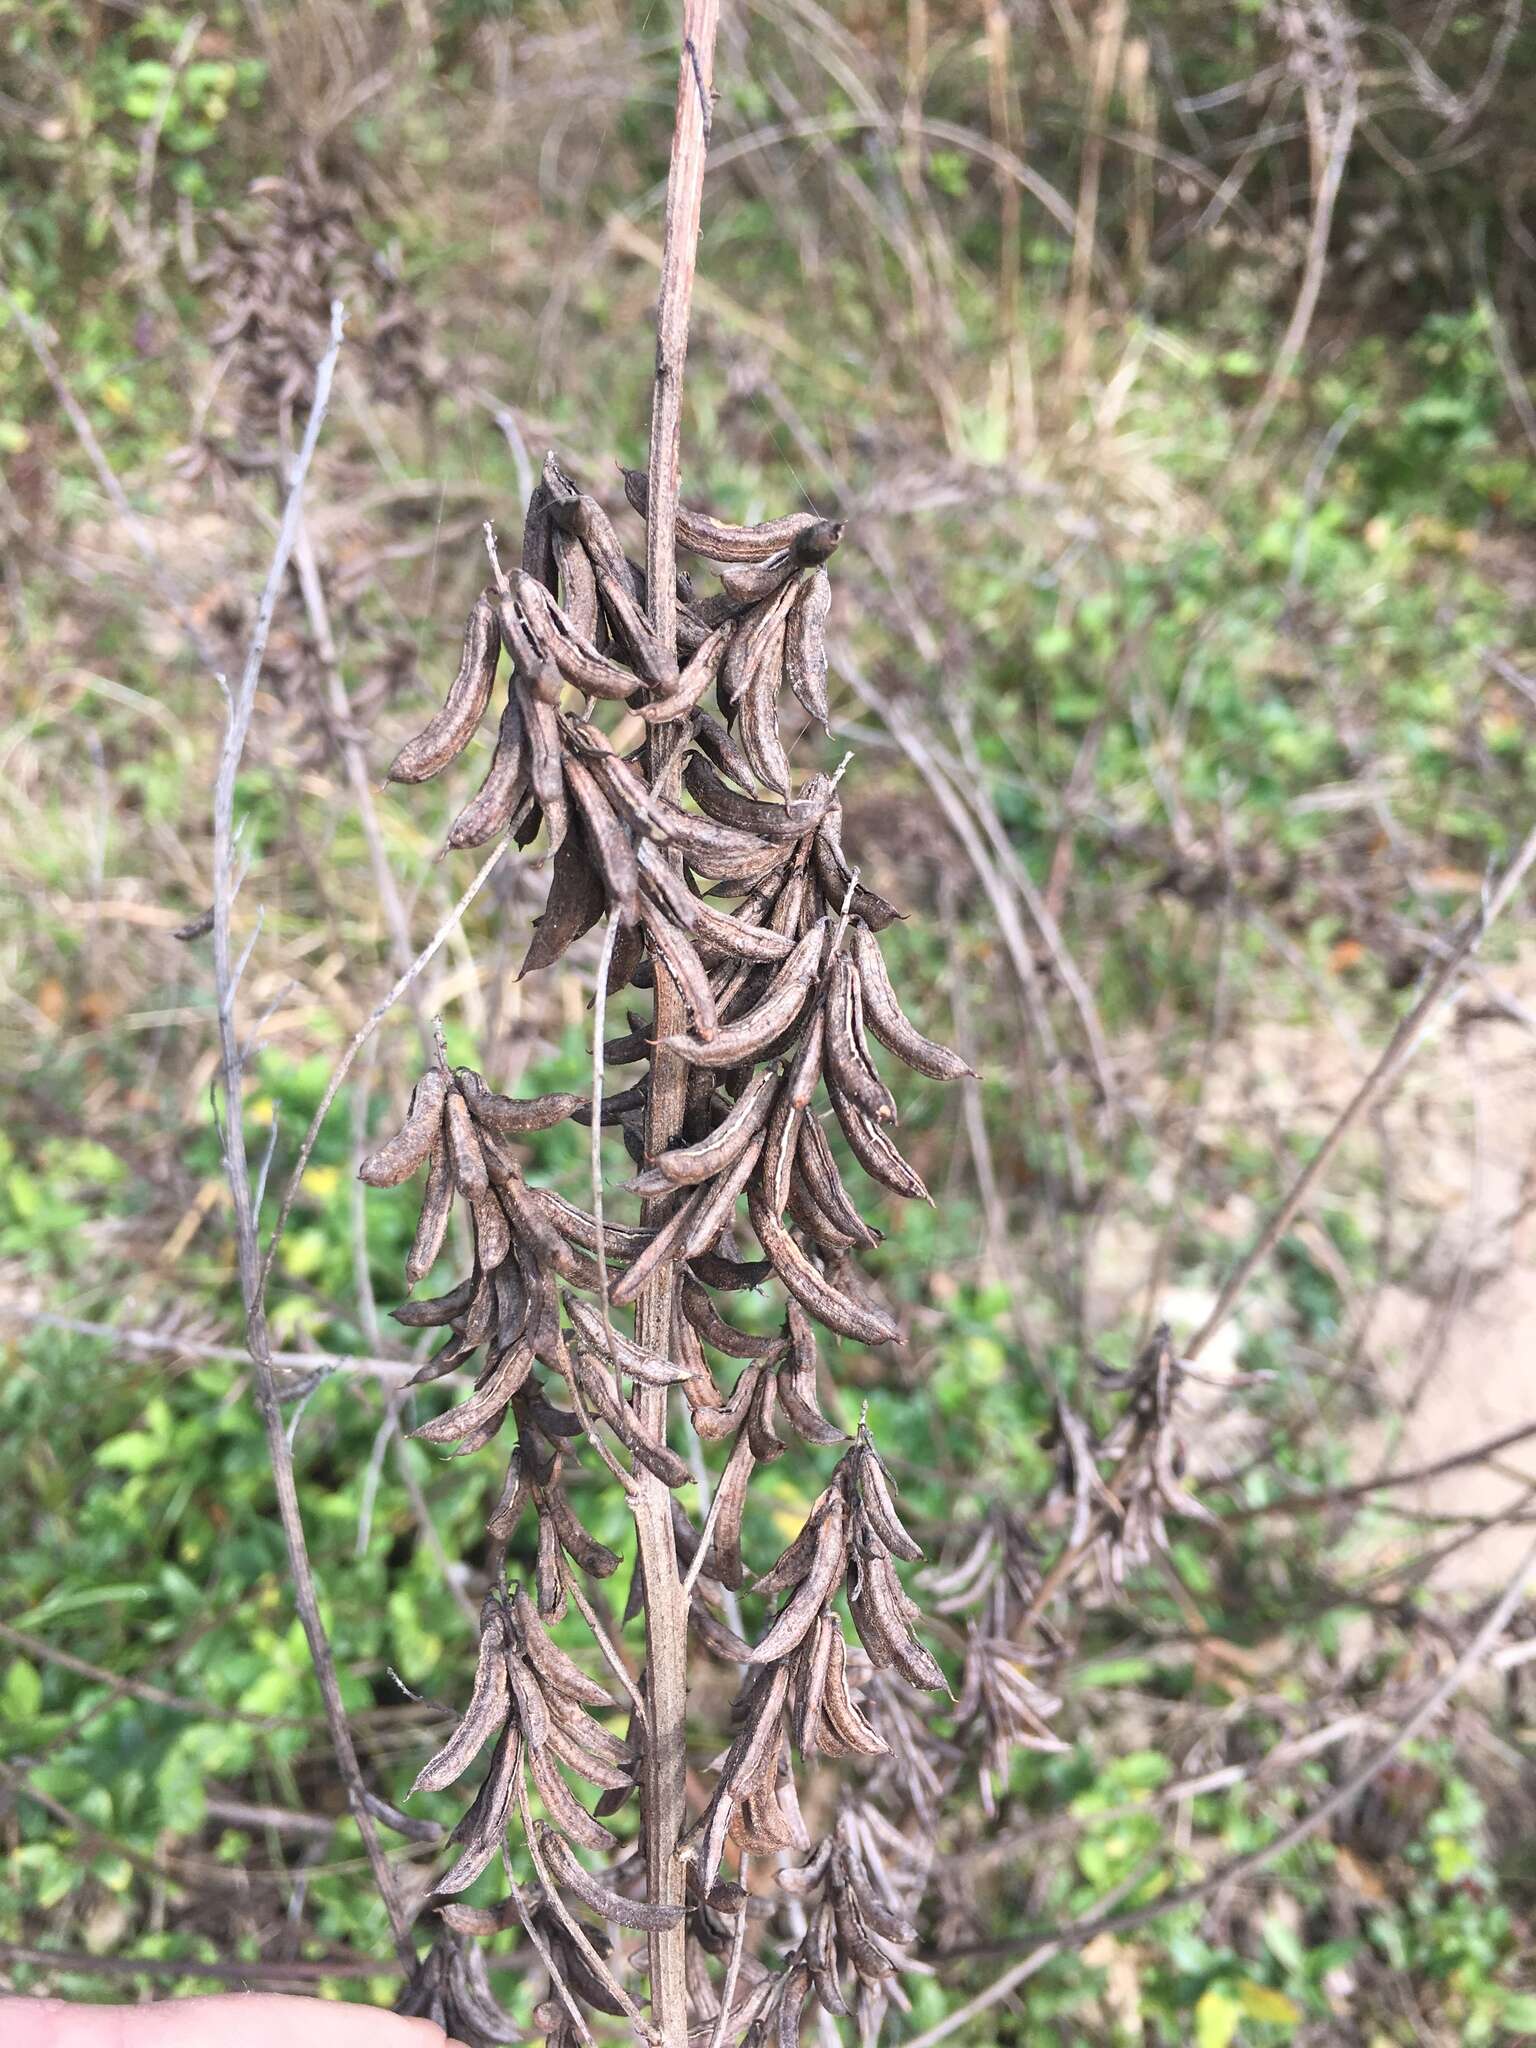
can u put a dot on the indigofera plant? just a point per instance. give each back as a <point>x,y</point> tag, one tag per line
<point>720,878</point>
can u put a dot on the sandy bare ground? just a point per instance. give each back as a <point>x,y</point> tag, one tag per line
<point>1440,1354</point>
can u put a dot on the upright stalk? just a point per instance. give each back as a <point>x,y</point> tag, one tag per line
<point>666,1609</point>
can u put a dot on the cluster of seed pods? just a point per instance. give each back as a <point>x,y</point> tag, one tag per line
<point>732,882</point>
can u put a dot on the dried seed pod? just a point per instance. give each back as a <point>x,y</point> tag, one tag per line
<point>811,1287</point>
<point>875,1152</point>
<point>563,1807</point>
<point>441,1309</point>
<point>814,1161</point>
<point>844,1730</point>
<point>823,1577</point>
<point>648,1451</point>
<point>611,1905</point>
<point>696,680</point>
<point>609,842</point>
<point>805,646</point>
<point>849,1067</point>
<point>549,1572</point>
<point>451,731</point>
<point>556,1671</point>
<point>592,1556</point>
<point>648,1367</point>
<point>712,739</point>
<point>578,661</point>
<point>576,901</point>
<point>584,518</point>
<point>546,767</point>
<point>888,1021</point>
<point>528,649</point>
<point>747,1038</point>
<point>582,1746</point>
<point>808,1682</point>
<point>783,822</point>
<point>512,1115</point>
<point>493,1240</point>
<point>876,1498</point>
<point>880,1613</point>
<point>778,1153</point>
<point>791,2008</point>
<point>689,1165</point>
<point>578,585</point>
<point>483,1827</point>
<point>716,1204</point>
<point>487,1407</point>
<point>794,1560</point>
<point>665,1243</point>
<point>665,885</point>
<point>820,1952</point>
<point>730,1276</point>
<point>766,1446</point>
<point>432,1224</point>
<point>813,545</point>
<point>797,1384</point>
<point>725,1548</point>
<point>538,551</point>
<point>735,937</point>
<point>672,946</point>
<point>718,851</point>
<point>486,1712</point>
<point>468,1161</point>
<point>505,795</point>
<point>834,878</point>
<point>528,1703</point>
<point>400,1156</point>
<point>702,1315</point>
<point>579,1227</point>
<point>725,1418</point>
<point>757,711</point>
<point>716,541</point>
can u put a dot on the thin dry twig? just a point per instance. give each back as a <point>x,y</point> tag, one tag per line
<point>733,1961</point>
<point>1331,155</point>
<point>240,706</point>
<point>136,1688</point>
<point>157,1341</point>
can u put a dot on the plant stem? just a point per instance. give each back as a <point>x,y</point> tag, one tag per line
<point>240,705</point>
<point>666,1617</point>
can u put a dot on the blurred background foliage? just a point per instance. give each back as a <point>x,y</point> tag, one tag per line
<point>1170,363</point>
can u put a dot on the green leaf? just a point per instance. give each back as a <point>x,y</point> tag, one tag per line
<point>1518,2012</point>
<point>1284,1944</point>
<point>21,1697</point>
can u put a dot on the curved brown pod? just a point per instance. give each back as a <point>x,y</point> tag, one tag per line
<point>400,1156</point>
<point>450,732</point>
<point>505,793</point>
<point>810,1287</point>
<point>888,1021</point>
<point>713,539</point>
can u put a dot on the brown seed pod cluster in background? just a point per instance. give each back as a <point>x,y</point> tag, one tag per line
<point>732,882</point>
<point>853,1952</point>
